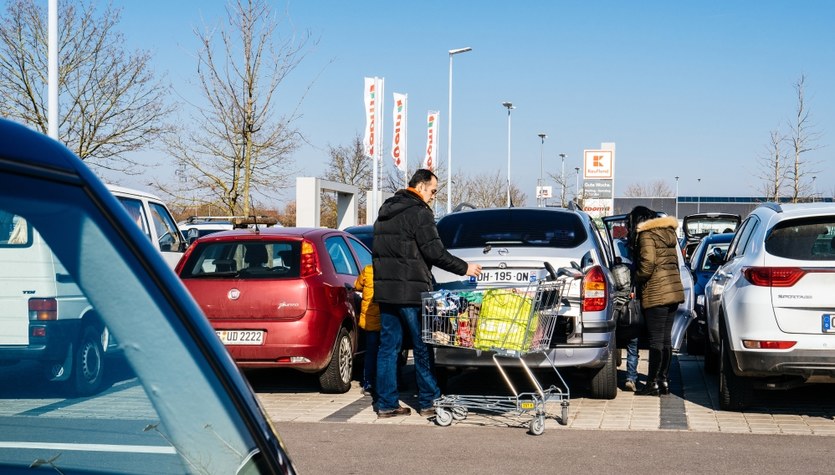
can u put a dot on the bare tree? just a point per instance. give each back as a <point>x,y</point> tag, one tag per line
<point>802,139</point>
<point>773,167</point>
<point>347,164</point>
<point>485,190</point>
<point>239,143</point>
<point>566,185</point>
<point>655,189</point>
<point>111,104</point>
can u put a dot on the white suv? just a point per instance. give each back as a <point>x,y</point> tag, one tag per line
<point>771,305</point>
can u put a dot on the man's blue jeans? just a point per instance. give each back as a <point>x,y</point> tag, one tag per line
<point>632,360</point>
<point>394,320</point>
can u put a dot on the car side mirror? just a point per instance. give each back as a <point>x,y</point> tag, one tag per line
<point>193,234</point>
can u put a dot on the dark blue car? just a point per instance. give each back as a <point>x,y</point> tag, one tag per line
<point>706,258</point>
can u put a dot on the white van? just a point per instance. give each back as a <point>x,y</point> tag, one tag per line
<point>154,219</point>
<point>44,316</point>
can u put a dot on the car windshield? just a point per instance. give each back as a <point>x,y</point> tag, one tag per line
<point>512,227</point>
<point>244,260</point>
<point>699,229</point>
<point>809,239</point>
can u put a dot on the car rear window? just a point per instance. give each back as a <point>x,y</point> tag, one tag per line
<point>512,227</point>
<point>244,260</point>
<point>811,239</point>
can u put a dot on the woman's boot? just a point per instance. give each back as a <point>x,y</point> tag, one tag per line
<point>651,387</point>
<point>664,368</point>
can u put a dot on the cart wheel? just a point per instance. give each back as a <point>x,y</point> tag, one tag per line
<point>564,415</point>
<point>537,425</point>
<point>442,417</point>
<point>459,413</point>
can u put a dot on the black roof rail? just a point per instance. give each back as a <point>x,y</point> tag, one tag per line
<point>463,205</point>
<point>772,206</point>
<point>573,205</point>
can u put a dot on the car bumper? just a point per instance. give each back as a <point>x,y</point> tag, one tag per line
<point>286,344</point>
<point>811,365</point>
<point>53,346</point>
<point>590,355</point>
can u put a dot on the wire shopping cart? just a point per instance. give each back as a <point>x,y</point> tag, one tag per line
<point>511,323</point>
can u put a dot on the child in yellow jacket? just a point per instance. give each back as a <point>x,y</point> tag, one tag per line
<point>370,322</point>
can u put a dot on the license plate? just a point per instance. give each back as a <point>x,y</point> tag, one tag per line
<point>241,337</point>
<point>506,276</point>
<point>828,323</point>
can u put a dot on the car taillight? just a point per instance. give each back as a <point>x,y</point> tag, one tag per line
<point>594,292</point>
<point>309,260</point>
<point>43,309</point>
<point>773,276</point>
<point>768,344</point>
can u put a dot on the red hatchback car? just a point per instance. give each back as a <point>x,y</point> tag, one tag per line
<point>281,297</point>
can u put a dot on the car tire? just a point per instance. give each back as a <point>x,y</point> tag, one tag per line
<point>695,345</point>
<point>734,391</point>
<point>336,378</point>
<point>711,357</point>
<point>604,381</point>
<point>88,364</point>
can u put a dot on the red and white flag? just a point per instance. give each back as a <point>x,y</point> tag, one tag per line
<point>429,162</point>
<point>398,138</point>
<point>370,95</point>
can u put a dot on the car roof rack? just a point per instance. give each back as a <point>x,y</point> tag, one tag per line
<point>247,221</point>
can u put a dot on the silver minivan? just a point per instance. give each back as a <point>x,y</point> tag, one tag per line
<point>513,246</point>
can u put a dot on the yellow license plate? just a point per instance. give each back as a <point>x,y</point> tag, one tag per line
<point>527,405</point>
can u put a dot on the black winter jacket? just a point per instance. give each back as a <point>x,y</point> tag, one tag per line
<point>406,246</point>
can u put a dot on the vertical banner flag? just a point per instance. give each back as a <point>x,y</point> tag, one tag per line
<point>431,140</point>
<point>398,138</point>
<point>370,96</point>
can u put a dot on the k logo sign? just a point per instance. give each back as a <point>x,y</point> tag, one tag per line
<point>598,164</point>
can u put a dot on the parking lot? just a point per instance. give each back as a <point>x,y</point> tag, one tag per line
<point>288,396</point>
<point>691,407</point>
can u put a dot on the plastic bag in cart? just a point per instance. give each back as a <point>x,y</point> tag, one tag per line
<point>505,321</point>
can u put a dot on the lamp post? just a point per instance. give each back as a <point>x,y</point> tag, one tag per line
<point>539,199</point>
<point>510,107</point>
<point>562,180</point>
<point>814,190</point>
<point>676,196</point>
<point>577,182</point>
<point>699,195</point>
<point>452,53</point>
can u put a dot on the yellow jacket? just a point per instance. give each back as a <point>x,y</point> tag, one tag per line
<point>370,311</point>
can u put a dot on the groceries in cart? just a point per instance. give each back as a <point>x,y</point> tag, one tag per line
<point>498,319</point>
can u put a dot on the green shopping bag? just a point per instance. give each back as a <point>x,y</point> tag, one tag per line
<point>505,321</point>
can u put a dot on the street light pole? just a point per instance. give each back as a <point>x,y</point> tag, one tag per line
<point>562,180</point>
<point>452,52</point>
<point>539,198</point>
<point>577,183</point>
<point>699,195</point>
<point>510,107</point>
<point>814,190</point>
<point>676,196</point>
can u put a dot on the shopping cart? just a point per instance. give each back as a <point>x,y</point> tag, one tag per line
<point>510,323</point>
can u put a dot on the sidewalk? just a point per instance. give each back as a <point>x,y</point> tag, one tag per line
<point>692,406</point>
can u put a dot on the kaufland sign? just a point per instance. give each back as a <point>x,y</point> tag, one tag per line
<point>598,165</point>
<point>599,180</point>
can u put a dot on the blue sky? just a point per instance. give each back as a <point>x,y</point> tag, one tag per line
<point>683,88</point>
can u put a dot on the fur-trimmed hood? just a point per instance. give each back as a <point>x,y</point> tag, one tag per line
<point>663,222</point>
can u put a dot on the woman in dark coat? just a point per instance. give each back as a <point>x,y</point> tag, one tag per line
<point>653,242</point>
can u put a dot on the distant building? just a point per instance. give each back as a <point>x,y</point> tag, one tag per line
<point>741,205</point>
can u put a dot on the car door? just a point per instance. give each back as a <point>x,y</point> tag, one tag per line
<point>726,274</point>
<point>615,227</point>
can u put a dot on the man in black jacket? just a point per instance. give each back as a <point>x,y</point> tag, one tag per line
<point>406,246</point>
